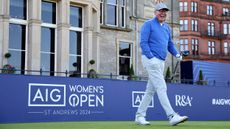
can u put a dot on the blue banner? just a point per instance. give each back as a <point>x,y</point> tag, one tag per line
<point>43,99</point>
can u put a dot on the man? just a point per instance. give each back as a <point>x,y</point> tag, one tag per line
<point>155,41</point>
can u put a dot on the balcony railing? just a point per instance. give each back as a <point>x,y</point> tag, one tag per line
<point>216,35</point>
<point>72,74</point>
<point>217,1</point>
<point>113,76</point>
<point>206,56</point>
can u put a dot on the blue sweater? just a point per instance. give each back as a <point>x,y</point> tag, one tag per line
<point>156,40</point>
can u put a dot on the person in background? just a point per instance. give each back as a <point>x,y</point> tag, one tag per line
<point>155,42</point>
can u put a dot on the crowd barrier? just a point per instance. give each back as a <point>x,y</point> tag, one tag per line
<point>48,99</point>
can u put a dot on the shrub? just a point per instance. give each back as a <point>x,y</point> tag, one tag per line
<point>92,74</point>
<point>8,69</point>
<point>92,62</point>
<point>7,55</point>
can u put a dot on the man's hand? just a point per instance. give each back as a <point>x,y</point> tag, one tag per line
<point>179,57</point>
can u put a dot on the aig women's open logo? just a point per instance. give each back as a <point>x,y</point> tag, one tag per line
<point>47,95</point>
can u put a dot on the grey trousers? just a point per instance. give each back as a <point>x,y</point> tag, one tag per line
<point>156,84</point>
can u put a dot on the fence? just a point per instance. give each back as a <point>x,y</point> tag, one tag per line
<point>113,76</point>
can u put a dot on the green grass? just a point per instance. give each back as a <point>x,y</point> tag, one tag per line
<point>119,125</point>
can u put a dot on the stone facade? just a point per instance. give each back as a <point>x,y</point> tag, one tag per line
<point>139,11</point>
<point>100,42</point>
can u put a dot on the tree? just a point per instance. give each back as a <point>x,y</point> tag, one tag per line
<point>201,80</point>
<point>201,75</point>
<point>131,73</point>
<point>168,75</point>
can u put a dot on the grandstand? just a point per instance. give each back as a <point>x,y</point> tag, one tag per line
<point>214,73</point>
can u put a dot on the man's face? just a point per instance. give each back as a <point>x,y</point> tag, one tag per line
<point>161,15</point>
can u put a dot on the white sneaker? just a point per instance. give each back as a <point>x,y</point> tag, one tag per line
<point>141,121</point>
<point>177,119</point>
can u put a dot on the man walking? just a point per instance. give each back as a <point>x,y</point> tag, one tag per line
<point>155,42</point>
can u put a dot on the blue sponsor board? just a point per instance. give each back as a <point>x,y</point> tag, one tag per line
<point>43,99</point>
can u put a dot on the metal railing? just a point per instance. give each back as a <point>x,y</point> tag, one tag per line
<point>115,77</point>
<point>72,74</point>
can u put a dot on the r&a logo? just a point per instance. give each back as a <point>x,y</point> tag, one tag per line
<point>183,100</point>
